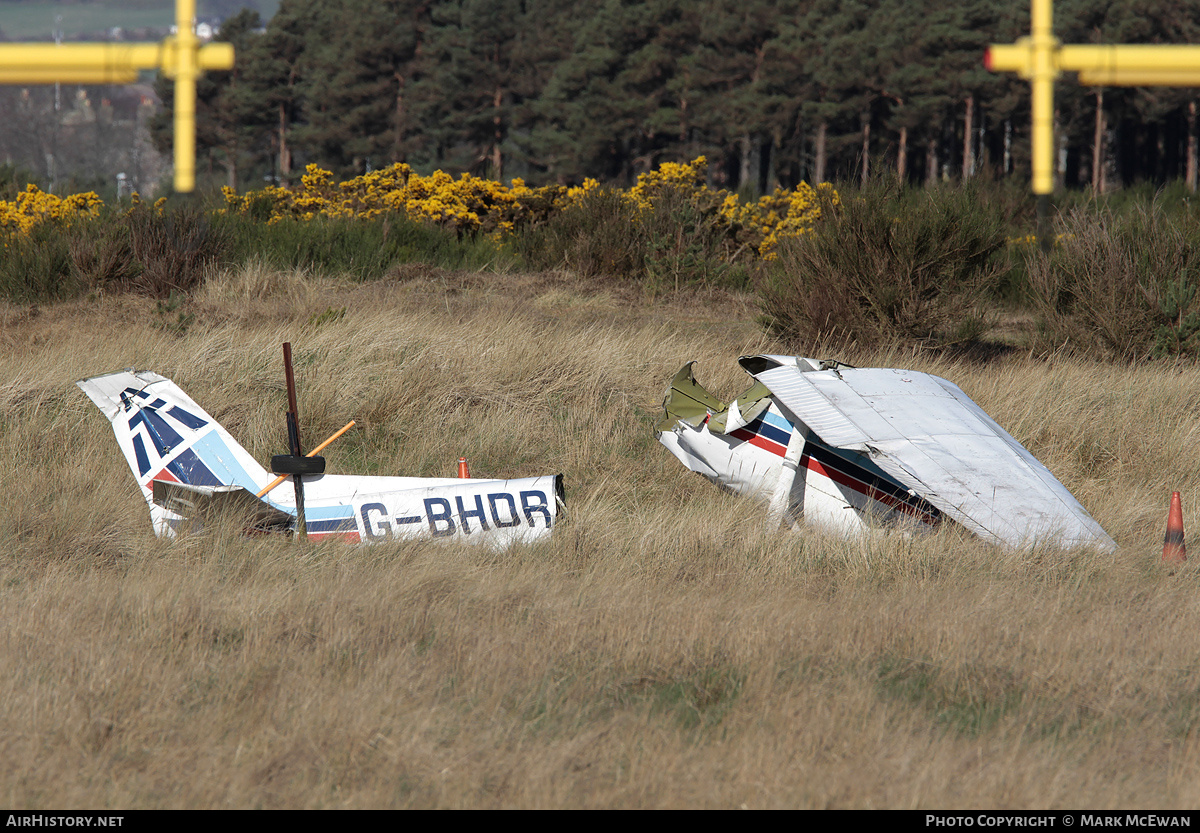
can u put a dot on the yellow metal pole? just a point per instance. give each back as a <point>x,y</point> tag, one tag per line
<point>1039,59</point>
<point>1139,78</point>
<point>1115,59</point>
<point>180,57</point>
<point>76,63</point>
<point>1035,59</point>
<point>1043,45</point>
<point>186,71</point>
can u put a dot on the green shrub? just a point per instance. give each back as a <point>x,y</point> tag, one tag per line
<point>167,253</point>
<point>364,249</point>
<point>36,267</point>
<point>684,243</point>
<point>593,236</point>
<point>670,244</point>
<point>142,250</point>
<point>1119,286</point>
<point>889,266</point>
<point>175,248</point>
<point>102,257</point>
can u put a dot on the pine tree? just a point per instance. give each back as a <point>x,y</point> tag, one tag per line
<point>472,81</point>
<point>612,108</point>
<point>352,81</point>
<point>836,64</point>
<point>732,79</point>
<point>280,59</point>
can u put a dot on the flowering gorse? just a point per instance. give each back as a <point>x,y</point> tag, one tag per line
<point>758,225</point>
<point>466,205</point>
<point>34,206</point>
<point>471,205</point>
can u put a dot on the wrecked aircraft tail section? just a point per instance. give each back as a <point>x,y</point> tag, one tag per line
<point>190,469</point>
<point>849,448</point>
<point>167,438</point>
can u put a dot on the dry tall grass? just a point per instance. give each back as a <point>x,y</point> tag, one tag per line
<point>659,651</point>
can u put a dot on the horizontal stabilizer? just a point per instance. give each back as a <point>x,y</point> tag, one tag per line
<point>208,503</point>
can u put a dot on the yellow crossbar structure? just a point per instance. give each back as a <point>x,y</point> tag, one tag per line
<point>1040,58</point>
<point>180,57</point>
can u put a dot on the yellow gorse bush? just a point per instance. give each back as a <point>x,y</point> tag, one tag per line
<point>683,176</point>
<point>470,204</point>
<point>34,206</point>
<point>760,225</point>
<point>466,205</point>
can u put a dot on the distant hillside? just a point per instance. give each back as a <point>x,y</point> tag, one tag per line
<point>97,19</point>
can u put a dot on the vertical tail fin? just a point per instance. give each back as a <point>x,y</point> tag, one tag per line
<point>166,436</point>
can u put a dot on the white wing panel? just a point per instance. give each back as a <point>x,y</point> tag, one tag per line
<point>929,435</point>
<point>831,423</point>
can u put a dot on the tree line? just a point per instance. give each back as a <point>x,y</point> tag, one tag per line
<point>772,92</point>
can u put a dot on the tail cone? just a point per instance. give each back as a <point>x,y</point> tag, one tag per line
<point>1174,549</point>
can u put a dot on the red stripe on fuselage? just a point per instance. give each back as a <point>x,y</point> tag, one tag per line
<point>837,476</point>
<point>866,489</point>
<point>760,441</point>
<point>351,537</point>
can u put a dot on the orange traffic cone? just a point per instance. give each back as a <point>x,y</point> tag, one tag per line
<point>463,471</point>
<point>1174,548</point>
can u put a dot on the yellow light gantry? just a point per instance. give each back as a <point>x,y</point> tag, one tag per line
<point>180,57</point>
<point>1040,58</point>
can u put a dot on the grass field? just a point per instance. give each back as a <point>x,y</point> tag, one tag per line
<point>663,649</point>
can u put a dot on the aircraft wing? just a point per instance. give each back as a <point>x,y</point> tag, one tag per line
<point>929,435</point>
<point>210,502</point>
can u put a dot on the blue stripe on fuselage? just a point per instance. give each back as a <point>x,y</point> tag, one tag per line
<point>161,434</point>
<point>769,431</point>
<point>775,419</point>
<point>337,512</point>
<point>139,453</point>
<point>330,525</point>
